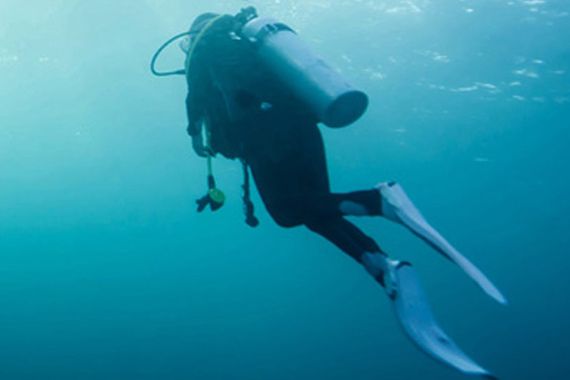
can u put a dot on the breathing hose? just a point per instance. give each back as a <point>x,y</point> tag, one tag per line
<point>159,52</point>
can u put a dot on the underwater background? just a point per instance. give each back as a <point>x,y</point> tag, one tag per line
<point>108,272</point>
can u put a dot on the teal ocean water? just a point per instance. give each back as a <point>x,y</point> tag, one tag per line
<point>107,271</point>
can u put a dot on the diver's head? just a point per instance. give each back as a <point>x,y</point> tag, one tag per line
<point>201,21</point>
<point>197,25</point>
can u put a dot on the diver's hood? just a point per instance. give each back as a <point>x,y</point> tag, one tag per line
<point>201,21</point>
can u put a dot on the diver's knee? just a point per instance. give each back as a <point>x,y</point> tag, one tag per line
<point>318,226</point>
<point>284,221</point>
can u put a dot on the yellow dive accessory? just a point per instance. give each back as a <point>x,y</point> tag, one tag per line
<point>217,196</point>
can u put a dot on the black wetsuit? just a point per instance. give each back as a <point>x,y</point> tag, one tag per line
<point>251,117</point>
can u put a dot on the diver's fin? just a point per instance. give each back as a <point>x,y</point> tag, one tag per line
<point>418,322</point>
<point>398,207</point>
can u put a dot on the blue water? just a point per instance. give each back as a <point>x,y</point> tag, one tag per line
<point>107,272</point>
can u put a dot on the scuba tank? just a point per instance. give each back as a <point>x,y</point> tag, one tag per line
<point>285,56</point>
<point>321,88</point>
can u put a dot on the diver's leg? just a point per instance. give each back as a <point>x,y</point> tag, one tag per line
<point>352,241</point>
<point>292,177</point>
<point>356,203</point>
<point>345,236</point>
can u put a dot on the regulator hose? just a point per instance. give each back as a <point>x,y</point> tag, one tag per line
<point>159,52</point>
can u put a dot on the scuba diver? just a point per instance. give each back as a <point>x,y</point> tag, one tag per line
<point>257,93</point>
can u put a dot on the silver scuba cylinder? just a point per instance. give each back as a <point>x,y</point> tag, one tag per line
<point>326,93</point>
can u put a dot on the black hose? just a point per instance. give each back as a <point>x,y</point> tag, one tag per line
<point>160,50</point>
<point>248,207</point>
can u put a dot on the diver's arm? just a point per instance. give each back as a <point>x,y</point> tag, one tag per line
<point>194,118</point>
<point>195,121</point>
